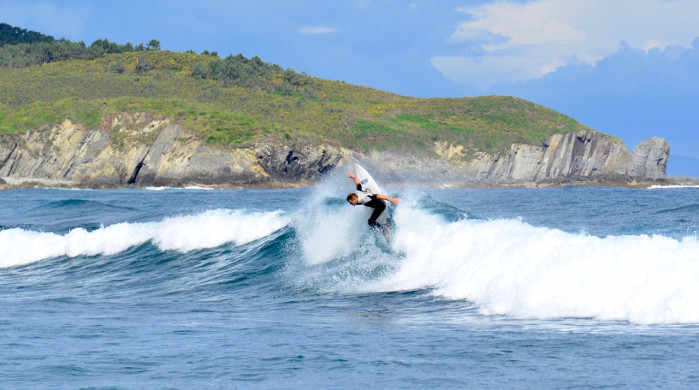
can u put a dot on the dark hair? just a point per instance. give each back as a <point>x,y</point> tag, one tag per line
<point>351,196</point>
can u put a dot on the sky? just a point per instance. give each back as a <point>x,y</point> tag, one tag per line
<point>629,68</point>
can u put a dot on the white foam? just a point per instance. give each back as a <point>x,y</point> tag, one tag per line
<point>329,234</point>
<point>508,267</point>
<point>199,188</point>
<point>669,187</point>
<point>185,233</point>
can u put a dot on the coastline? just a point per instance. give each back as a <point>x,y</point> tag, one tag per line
<point>10,183</point>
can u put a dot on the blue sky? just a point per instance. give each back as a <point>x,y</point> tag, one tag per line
<point>629,68</point>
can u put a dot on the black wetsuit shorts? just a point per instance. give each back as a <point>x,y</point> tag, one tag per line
<point>377,204</point>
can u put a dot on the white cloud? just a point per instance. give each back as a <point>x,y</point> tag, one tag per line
<point>542,22</point>
<point>506,41</point>
<point>317,30</point>
<point>655,44</point>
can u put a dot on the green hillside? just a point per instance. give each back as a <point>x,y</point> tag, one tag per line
<point>237,101</point>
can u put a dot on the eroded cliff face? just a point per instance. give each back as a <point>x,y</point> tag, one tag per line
<point>136,149</point>
<point>572,155</point>
<point>584,156</point>
<point>141,150</point>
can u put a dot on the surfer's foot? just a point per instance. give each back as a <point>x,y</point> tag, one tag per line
<point>386,229</point>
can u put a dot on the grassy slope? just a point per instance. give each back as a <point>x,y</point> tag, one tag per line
<point>358,117</point>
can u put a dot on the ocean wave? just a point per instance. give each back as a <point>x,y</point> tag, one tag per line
<point>182,233</point>
<point>504,266</point>
<point>508,267</point>
<point>78,204</point>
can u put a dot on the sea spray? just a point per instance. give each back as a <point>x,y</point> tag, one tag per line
<point>338,251</point>
<point>327,234</point>
<point>328,226</point>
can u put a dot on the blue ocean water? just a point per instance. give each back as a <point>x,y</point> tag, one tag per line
<point>573,287</point>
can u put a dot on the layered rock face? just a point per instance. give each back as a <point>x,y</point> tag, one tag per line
<point>143,151</point>
<point>562,157</point>
<point>574,155</point>
<point>136,149</point>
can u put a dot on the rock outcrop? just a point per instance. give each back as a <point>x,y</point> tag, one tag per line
<point>585,156</point>
<point>303,164</point>
<point>135,149</point>
<point>140,150</point>
<point>649,159</point>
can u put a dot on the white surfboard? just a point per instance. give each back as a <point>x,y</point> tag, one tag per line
<point>370,186</point>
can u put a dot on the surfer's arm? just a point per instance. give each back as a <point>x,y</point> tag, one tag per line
<point>356,181</point>
<point>351,176</point>
<point>384,197</point>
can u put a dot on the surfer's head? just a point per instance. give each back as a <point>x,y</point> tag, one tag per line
<point>352,198</point>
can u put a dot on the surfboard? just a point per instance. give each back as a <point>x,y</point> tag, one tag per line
<point>369,185</point>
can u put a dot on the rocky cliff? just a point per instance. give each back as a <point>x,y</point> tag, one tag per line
<point>583,156</point>
<point>141,150</point>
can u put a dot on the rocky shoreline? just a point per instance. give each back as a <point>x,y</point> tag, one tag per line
<point>627,182</point>
<point>139,150</point>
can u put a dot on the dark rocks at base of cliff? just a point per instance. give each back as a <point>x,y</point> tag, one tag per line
<point>602,180</point>
<point>297,164</point>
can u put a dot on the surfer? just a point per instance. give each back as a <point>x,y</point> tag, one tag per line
<point>375,201</point>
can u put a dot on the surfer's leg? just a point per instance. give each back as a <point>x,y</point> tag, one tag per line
<point>379,206</point>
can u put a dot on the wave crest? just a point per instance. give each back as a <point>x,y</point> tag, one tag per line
<point>508,267</point>
<point>183,233</point>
